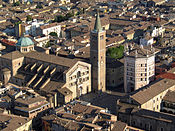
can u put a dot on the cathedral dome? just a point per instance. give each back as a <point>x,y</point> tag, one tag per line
<point>24,42</point>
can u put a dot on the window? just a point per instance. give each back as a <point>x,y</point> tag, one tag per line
<point>141,79</point>
<point>145,74</point>
<point>87,89</point>
<point>101,37</point>
<point>141,65</point>
<point>145,65</point>
<point>78,74</point>
<point>113,81</point>
<point>141,74</point>
<point>161,129</point>
<point>140,124</point>
<point>157,106</point>
<point>145,79</point>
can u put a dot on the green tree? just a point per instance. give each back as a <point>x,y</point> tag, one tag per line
<point>116,53</point>
<point>53,34</point>
<point>59,18</point>
<point>69,15</point>
<point>29,18</point>
<point>16,3</point>
<point>39,6</point>
<point>17,23</point>
<point>47,45</point>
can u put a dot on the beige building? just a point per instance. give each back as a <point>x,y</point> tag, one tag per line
<point>79,115</point>
<point>48,28</point>
<point>168,103</point>
<point>15,123</point>
<point>139,67</point>
<point>151,97</point>
<point>142,109</point>
<point>98,56</point>
<point>30,104</point>
<point>146,119</point>
<point>59,79</point>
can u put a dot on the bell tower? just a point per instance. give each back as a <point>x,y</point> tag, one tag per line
<point>98,56</point>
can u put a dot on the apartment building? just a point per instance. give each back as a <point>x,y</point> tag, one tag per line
<point>48,28</point>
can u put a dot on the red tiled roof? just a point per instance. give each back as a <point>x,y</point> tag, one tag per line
<point>8,42</point>
<point>166,76</point>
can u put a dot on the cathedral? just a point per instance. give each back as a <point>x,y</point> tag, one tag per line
<point>59,79</point>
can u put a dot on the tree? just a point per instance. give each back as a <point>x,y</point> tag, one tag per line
<point>29,18</point>
<point>17,23</point>
<point>47,45</point>
<point>69,15</point>
<point>39,6</point>
<point>53,34</point>
<point>116,53</point>
<point>16,3</point>
<point>59,18</point>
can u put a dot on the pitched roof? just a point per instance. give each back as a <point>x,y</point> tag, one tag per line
<point>119,126</point>
<point>159,116</point>
<point>170,96</point>
<point>152,90</point>
<point>14,122</point>
<point>63,61</point>
<point>12,55</point>
<point>97,26</point>
<point>49,25</point>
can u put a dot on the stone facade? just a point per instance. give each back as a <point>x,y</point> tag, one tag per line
<point>25,49</point>
<point>50,75</point>
<point>139,68</point>
<point>98,57</point>
<point>114,73</point>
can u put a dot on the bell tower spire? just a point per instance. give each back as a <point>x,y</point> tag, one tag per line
<point>98,56</point>
<point>97,26</point>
